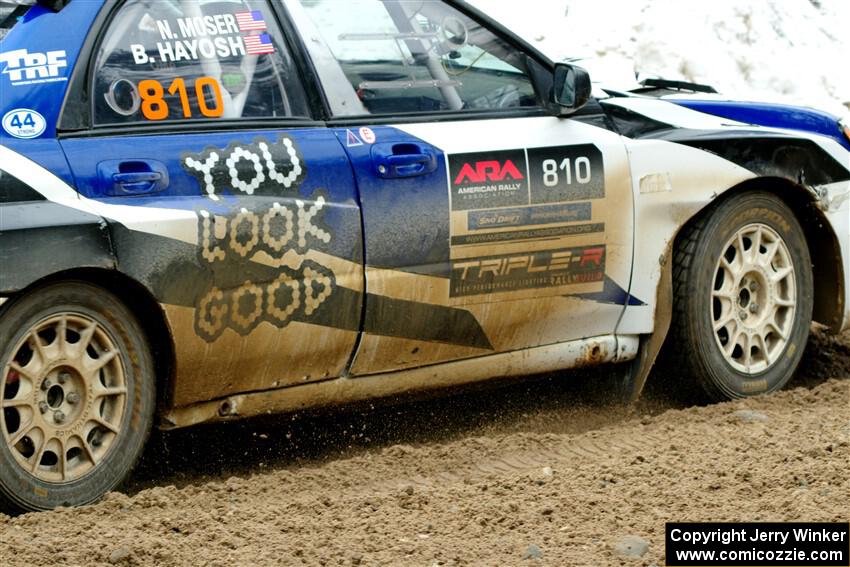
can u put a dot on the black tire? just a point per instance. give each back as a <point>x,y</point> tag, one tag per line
<point>132,410</point>
<point>693,351</point>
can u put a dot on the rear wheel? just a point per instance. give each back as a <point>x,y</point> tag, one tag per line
<point>743,298</point>
<point>77,396</point>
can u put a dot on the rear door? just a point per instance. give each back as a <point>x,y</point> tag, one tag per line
<point>225,199</point>
<point>490,225</point>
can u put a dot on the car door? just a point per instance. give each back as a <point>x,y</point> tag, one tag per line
<point>490,225</point>
<point>225,199</point>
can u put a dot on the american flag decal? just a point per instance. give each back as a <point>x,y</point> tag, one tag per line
<point>250,21</point>
<point>258,44</point>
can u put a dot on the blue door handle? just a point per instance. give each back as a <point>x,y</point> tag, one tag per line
<point>132,177</point>
<point>137,177</point>
<point>137,182</point>
<point>394,161</point>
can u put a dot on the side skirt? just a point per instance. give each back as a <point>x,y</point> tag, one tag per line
<point>573,354</point>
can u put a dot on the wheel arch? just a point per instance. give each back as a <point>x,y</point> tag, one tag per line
<point>141,302</point>
<point>823,244</point>
<point>824,250</point>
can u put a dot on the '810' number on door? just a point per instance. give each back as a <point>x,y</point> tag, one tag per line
<point>566,173</point>
<point>578,169</point>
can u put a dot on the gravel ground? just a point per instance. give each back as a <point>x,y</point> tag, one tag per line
<point>534,473</point>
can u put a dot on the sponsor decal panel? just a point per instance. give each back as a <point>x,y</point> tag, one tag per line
<point>527,216</point>
<point>533,270</point>
<point>520,199</point>
<point>22,67</point>
<point>488,179</point>
<point>566,173</point>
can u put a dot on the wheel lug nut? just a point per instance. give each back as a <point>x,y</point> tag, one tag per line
<point>743,315</point>
<point>46,384</point>
<point>73,397</point>
<point>58,416</point>
<point>754,307</point>
<point>42,407</point>
<point>754,286</point>
<point>64,377</point>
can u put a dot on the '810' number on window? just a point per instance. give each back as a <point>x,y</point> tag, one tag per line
<point>578,169</point>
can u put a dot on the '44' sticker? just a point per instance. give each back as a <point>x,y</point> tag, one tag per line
<point>24,123</point>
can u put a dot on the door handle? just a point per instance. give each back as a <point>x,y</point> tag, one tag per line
<point>132,177</point>
<point>137,182</point>
<point>394,161</point>
<point>136,177</point>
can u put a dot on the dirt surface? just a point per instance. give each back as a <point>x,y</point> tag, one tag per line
<point>536,473</point>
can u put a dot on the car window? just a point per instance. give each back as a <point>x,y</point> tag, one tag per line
<point>10,14</point>
<point>177,60</point>
<point>412,56</point>
<point>13,189</point>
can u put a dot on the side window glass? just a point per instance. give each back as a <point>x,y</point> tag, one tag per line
<point>402,56</point>
<point>178,60</point>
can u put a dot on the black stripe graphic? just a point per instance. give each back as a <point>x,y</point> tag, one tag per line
<point>767,155</point>
<point>171,270</point>
<point>423,322</point>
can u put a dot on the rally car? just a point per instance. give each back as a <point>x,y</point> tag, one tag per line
<point>212,209</point>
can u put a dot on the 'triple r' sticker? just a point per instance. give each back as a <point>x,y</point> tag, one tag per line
<point>24,123</point>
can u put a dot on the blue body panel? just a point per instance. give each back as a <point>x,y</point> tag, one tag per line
<point>406,220</point>
<point>328,173</point>
<point>42,31</point>
<point>771,115</point>
<point>44,151</point>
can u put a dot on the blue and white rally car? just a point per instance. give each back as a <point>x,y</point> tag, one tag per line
<point>213,209</point>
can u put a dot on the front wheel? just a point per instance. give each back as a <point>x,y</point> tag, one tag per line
<point>742,309</point>
<point>77,396</point>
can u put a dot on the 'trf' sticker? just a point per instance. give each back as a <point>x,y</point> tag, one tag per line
<point>24,123</point>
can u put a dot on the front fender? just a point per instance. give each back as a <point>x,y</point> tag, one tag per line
<point>40,238</point>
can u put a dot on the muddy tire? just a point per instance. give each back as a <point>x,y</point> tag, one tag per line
<point>742,306</point>
<point>77,389</point>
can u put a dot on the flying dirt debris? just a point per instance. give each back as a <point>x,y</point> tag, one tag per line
<point>477,478</point>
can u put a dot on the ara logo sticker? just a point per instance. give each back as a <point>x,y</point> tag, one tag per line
<point>482,171</point>
<point>25,68</point>
<point>488,179</point>
<point>24,123</point>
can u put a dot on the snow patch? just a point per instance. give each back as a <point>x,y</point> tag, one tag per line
<point>792,51</point>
